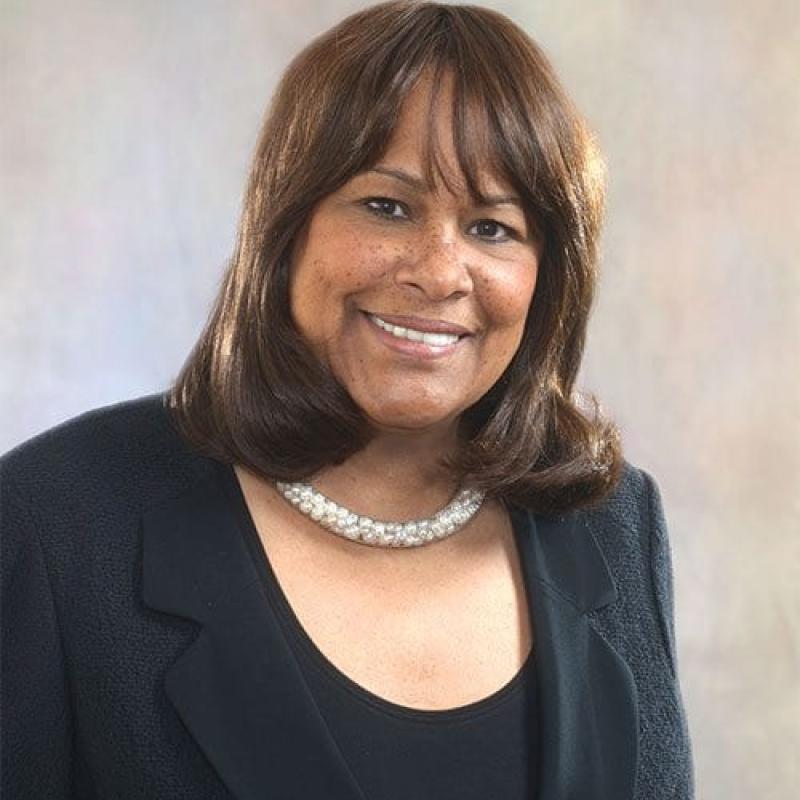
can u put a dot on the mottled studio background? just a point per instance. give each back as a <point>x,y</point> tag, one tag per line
<point>127,128</point>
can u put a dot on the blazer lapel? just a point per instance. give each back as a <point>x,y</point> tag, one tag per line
<point>588,723</point>
<point>237,688</point>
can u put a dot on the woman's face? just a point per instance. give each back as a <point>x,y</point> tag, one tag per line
<point>416,298</point>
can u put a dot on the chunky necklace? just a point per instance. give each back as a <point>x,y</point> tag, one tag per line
<point>379,533</point>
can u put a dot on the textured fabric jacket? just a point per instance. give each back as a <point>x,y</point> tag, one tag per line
<point>141,659</point>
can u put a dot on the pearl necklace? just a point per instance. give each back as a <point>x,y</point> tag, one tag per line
<point>379,533</point>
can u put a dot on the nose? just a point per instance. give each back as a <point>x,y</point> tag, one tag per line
<point>437,265</point>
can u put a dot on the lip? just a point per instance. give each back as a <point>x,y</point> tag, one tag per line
<point>416,350</point>
<point>422,324</point>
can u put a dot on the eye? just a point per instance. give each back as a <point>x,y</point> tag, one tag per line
<point>493,231</point>
<point>385,207</point>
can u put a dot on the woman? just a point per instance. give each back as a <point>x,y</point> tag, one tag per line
<point>368,545</point>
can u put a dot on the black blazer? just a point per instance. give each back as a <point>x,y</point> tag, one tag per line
<point>142,660</point>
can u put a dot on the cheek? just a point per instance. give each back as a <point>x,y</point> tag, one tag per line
<point>325,283</point>
<point>343,265</point>
<point>306,290</point>
<point>507,296</point>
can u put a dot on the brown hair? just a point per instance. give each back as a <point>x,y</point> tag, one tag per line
<point>252,392</point>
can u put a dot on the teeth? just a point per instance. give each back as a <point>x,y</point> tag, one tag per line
<point>432,339</point>
<point>439,339</point>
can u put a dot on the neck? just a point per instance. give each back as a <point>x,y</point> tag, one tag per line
<point>398,475</point>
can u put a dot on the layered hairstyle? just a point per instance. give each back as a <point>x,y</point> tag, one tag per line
<point>253,392</point>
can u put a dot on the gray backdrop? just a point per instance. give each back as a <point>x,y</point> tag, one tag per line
<point>127,131</point>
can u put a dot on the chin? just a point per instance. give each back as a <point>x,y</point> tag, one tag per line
<point>410,419</point>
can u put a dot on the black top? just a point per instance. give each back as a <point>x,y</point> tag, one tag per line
<point>480,750</point>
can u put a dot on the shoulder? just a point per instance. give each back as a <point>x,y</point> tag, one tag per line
<point>629,528</point>
<point>629,499</point>
<point>628,511</point>
<point>122,435</point>
<point>119,455</point>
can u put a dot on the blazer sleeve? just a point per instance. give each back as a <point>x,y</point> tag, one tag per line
<point>35,723</point>
<point>675,739</point>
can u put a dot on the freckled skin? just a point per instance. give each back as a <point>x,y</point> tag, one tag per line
<point>429,258</point>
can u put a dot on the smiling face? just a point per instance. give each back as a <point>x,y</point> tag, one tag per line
<point>415,296</point>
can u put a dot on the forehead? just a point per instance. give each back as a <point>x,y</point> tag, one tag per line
<point>445,140</point>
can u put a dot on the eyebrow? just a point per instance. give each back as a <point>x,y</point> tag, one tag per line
<point>419,185</point>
